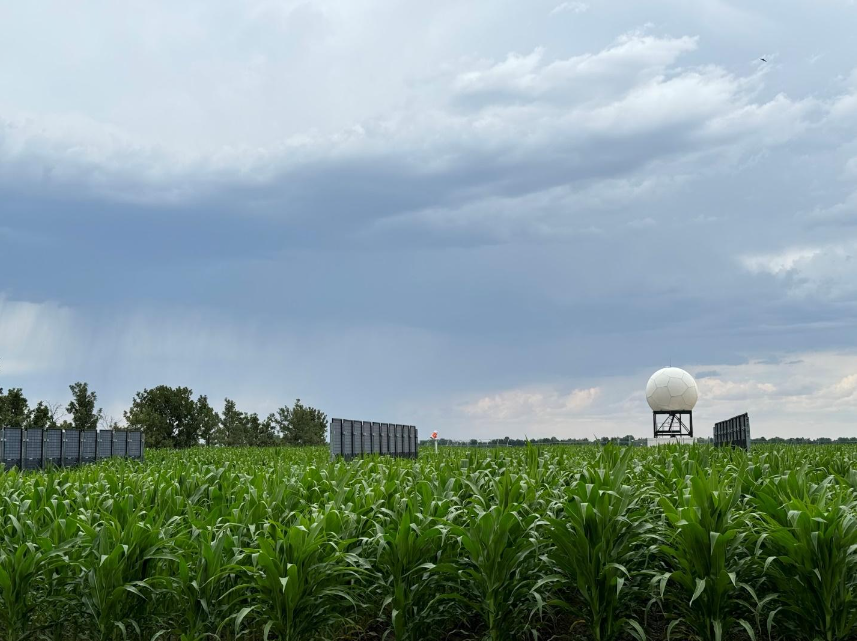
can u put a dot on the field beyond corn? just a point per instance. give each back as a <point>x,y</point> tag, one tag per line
<point>513,543</point>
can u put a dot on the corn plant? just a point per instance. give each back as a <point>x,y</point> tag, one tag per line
<point>810,549</point>
<point>25,577</point>
<point>298,582</point>
<point>705,553</point>
<point>202,583</point>
<point>407,547</point>
<point>598,540</point>
<point>499,570</point>
<point>120,577</point>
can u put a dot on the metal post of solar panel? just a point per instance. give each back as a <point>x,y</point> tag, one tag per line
<point>355,439</point>
<point>358,435</point>
<point>346,439</point>
<point>23,449</point>
<point>80,447</point>
<point>367,439</point>
<point>367,425</point>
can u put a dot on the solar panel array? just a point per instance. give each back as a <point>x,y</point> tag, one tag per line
<point>734,431</point>
<point>353,439</point>
<point>35,448</point>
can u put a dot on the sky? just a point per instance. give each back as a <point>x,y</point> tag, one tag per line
<point>483,217</point>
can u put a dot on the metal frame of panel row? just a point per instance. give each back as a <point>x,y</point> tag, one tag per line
<point>34,448</point>
<point>734,431</point>
<point>352,439</point>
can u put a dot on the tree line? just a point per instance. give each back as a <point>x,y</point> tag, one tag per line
<point>170,417</point>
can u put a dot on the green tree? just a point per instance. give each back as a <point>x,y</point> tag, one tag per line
<point>242,428</point>
<point>259,433</point>
<point>209,420</point>
<point>233,426</point>
<point>14,409</point>
<point>299,425</point>
<point>41,417</point>
<point>168,416</point>
<point>82,407</point>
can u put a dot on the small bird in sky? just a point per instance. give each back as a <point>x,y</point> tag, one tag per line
<point>763,60</point>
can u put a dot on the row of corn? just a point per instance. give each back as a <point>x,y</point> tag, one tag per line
<point>560,542</point>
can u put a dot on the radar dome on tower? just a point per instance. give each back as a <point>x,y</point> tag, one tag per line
<point>671,389</point>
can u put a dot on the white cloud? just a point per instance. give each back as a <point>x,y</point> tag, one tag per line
<point>631,54</point>
<point>843,213</point>
<point>715,388</point>
<point>825,272</point>
<point>570,7</point>
<point>780,262</point>
<point>845,388</point>
<point>532,405</point>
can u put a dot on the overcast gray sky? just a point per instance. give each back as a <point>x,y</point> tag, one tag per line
<point>485,217</point>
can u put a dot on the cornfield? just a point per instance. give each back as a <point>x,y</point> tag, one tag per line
<point>555,543</point>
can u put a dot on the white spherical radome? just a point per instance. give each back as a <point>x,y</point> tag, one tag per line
<point>671,389</point>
